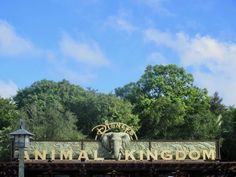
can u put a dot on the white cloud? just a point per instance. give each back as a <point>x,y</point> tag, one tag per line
<point>120,23</point>
<point>11,43</point>
<point>213,61</point>
<point>7,89</point>
<point>219,82</point>
<point>86,53</point>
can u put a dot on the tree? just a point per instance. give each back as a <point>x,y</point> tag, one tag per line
<point>96,108</point>
<point>159,116</point>
<point>216,105</point>
<point>44,105</point>
<point>50,121</point>
<point>63,91</point>
<point>169,105</point>
<point>52,102</point>
<point>129,92</point>
<point>8,116</point>
<point>229,134</point>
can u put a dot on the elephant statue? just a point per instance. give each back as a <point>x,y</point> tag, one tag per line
<point>115,142</point>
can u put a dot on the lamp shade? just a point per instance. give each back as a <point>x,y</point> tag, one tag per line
<point>21,138</point>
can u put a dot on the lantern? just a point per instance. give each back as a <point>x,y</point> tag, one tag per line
<point>21,137</point>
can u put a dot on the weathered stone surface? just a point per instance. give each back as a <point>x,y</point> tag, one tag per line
<point>136,146</point>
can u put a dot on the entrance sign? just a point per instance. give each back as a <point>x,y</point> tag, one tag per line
<point>116,143</point>
<point>137,150</point>
<point>117,152</point>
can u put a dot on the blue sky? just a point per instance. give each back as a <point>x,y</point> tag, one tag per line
<point>105,44</point>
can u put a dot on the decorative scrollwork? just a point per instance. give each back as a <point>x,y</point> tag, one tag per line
<point>104,128</point>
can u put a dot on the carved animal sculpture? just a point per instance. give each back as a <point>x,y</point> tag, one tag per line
<point>115,142</point>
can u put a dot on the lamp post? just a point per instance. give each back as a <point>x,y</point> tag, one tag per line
<point>21,141</point>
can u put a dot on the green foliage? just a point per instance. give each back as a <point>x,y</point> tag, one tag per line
<point>54,110</point>
<point>63,91</point>
<point>160,115</point>
<point>95,108</point>
<point>229,134</point>
<point>8,115</point>
<point>169,105</point>
<point>129,92</point>
<point>50,121</point>
<point>216,105</point>
<point>44,106</point>
<point>170,81</point>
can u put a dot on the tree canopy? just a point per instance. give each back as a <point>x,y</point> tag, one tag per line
<point>8,115</point>
<point>169,105</point>
<point>228,129</point>
<point>70,109</point>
